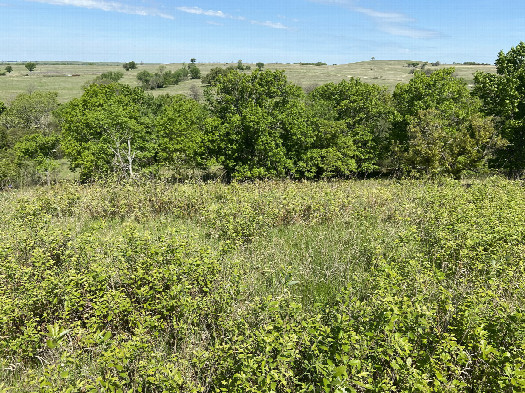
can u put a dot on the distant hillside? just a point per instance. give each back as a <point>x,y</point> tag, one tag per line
<point>67,78</point>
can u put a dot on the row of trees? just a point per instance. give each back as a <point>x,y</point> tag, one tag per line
<point>163,77</point>
<point>260,125</point>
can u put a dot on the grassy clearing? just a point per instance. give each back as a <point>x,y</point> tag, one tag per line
<point>267,287</point>
<point>59,77</point>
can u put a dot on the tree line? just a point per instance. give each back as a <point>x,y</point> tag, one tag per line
<point>260,125</point>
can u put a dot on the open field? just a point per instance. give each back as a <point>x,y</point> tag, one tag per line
<point>59,77</point>
<point>346,286</point>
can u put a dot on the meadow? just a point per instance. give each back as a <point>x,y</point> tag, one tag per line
<point>68,79</point>
<point>267,286</point>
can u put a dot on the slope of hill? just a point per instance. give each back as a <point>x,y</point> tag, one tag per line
<point>67,78</point>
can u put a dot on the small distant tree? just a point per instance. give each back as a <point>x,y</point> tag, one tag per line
<point>193,60</point>
<point>9,69</point>
<point>242,67</point>
<point>145,78</point>
<point>113,76</point>
<point>130,66</point>
<point>30,66</point>
<point>259,65</point>
<point>195,72</point>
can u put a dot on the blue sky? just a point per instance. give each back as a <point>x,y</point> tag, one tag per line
<point>332,31</point>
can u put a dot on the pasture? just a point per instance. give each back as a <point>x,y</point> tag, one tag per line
<point>68,79</point>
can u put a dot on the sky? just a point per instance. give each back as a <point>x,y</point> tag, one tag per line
<point>270,31</point>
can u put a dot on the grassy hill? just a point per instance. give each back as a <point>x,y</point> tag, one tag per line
<point>67,78</point>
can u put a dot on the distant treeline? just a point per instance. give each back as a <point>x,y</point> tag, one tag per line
<point>259,125</point>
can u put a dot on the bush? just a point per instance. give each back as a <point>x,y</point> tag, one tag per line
<point>129,66</point>
<point>212,77</point>
<point>266,286</point>
<point>30,66</point>
<point>195,72</point>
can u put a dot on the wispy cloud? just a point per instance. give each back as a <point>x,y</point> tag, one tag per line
<point>200,11</point>
<point>397,24</point>
<point>389,17</point>
<point>273,25</point>
<point>393,23</point>
<point>112,6</point>
<point>224,15</point>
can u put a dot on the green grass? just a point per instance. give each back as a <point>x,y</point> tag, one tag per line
<point>373,285</point>
<point>58,76</point>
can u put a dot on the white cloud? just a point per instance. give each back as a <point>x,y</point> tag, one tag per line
<point>392,23</point>
<point>390,17</point>
<point>273,25</point>
<point>200,11</point>
<point>112,6</point>
<point>220,14</point>
<point>409,32</point>
<point>397,24</point>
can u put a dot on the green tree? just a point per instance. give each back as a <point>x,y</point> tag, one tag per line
<point>193,60</point>
<point>145,78</point>
<point>260,65</point>
<point>503,96</point>
<point>213,75</point>
<point>327,150</point>
<point>41,150</point>
<point>179,129</point>
<point>30,113</point>
<point>129,66</point>
<point>195,72</point>
<point>444,145</point>
<point>441,129</point>
<point>254,121</point>
<point>109,130</point>
<point>440,90</point>
<point>242,67</point>
<point>367,112</point>
<point>9,69</point>
<point>31,137</point>
<point>30,66</point>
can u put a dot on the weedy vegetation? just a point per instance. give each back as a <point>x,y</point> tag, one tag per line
<point>344,286</point>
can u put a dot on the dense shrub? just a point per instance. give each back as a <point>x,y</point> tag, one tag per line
<point>407,286</point>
